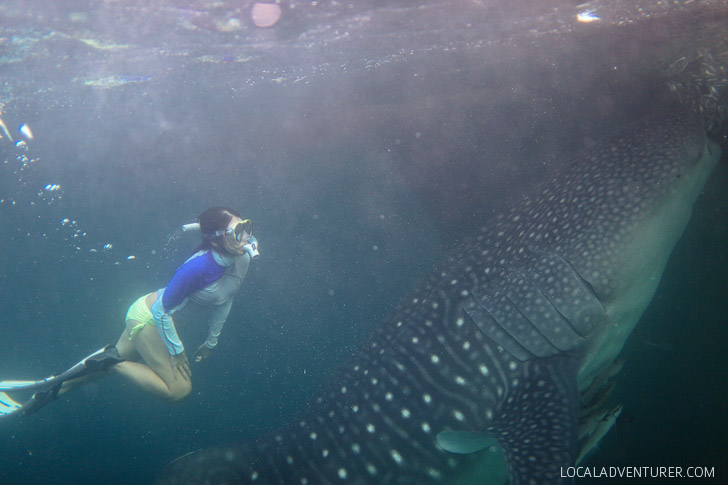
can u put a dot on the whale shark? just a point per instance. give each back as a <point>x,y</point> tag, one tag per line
<point>477,374</point>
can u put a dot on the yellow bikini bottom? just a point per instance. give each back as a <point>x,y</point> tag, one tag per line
<point>139,312</point>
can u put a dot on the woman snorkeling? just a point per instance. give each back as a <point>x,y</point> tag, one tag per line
<point>149,352</point>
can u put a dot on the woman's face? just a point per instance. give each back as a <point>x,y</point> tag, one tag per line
<point>229,243</point>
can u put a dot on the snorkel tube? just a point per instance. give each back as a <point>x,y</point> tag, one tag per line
<point>192,226</point>
<point>251,247</point>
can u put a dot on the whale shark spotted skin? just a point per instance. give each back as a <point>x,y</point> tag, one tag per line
<point>485,359</point>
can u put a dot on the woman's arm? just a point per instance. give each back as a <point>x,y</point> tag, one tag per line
<point>217,321</point>
<point>168,332</point>
<point>166,328</point>
<point>196,273</point>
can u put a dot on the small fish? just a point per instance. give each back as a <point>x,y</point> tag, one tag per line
<point>653,343</point>
<point>600,427</point>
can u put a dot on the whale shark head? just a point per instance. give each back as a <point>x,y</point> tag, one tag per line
<point>484,360</point>
<point>602,230</point>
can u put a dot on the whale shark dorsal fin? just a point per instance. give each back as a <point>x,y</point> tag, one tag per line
<point>464,442</point>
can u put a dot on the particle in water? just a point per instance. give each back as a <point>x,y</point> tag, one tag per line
<point>587,17</point>
<point>265,14</point>
<point>24,130</point>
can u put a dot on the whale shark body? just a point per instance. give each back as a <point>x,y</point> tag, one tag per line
<point>477,374</point>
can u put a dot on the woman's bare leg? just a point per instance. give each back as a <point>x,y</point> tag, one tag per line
<point>156,377</point>
<point>126,352</point>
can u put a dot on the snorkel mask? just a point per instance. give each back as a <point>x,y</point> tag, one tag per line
<point>242,231</point>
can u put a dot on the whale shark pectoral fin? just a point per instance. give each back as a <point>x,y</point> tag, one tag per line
<point>464,442</point>
<point>537,428</point>
<point>490,464</point>
<point>537,432</point>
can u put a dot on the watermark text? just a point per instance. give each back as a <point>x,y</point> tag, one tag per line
<point>637,472</point>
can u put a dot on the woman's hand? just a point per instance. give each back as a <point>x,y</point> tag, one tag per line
<point>181,366</point>
<point>202,353</point>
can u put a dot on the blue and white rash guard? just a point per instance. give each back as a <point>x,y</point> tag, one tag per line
<point>207,279</point>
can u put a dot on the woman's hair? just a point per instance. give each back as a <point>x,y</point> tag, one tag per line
<point>214,219</point>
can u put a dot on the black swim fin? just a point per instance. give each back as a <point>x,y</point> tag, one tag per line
<point>101,361</point>
<point>47,389</point>
<point>39,400</point>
